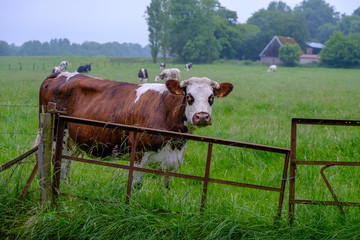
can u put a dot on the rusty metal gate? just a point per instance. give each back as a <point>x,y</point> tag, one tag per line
<point>294,162</point>
<point>62,119</point>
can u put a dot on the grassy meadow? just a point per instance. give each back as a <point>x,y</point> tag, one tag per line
<point>259,110</point>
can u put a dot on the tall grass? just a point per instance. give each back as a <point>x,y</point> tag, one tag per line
<point>259,110</point>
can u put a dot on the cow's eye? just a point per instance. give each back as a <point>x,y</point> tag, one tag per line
<point>211,100</point>
<point>190,99</point>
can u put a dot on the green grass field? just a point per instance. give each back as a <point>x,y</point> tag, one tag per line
<point>259,110</point>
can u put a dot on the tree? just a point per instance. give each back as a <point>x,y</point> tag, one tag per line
<point>192,25</point>
<point>277,19</point>
<point>357,12</point>
<point>165,31</point>
<point>342,51</point>
<point>184,24</point>
<point>290,54</point>
<point>154,19</point>
<point>207,8</point>
<point>4,49</point>
<point>317,13</point>
<point>350,24</point>
<point>325,32</point>
<point>230,16</point>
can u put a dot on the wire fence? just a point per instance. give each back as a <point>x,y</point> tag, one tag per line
<point>74,63</point>
<point>18,106</point>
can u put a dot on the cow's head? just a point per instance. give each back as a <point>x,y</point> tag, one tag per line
<point>199,94</point>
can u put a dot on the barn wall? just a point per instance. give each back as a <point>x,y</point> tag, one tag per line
<point>271,60</point>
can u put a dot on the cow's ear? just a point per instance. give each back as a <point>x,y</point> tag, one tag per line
<point>224,90</point>
<point>174,87</point>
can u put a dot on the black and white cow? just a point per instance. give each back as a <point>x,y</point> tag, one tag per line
<point>143,75</point>
<point>188,66</point>
<point>162,66</point>
<point>57,70</point>
<point>85,68</point>
<point>64,64</point>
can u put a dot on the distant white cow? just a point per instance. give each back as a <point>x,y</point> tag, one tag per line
<point>143,75</point>
<point>272,68</point>
<point>57,69</point>
<point>167,74</point>
<point>64,64</point>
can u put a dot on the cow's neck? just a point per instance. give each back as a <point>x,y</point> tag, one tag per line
<point>183,119</point>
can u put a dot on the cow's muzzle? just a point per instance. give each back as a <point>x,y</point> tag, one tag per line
<point>202,119</point>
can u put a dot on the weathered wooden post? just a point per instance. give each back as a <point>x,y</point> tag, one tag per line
<point>44,155</point>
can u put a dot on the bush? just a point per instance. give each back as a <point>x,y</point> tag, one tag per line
<point>290,54</point>
<point>342,51</point>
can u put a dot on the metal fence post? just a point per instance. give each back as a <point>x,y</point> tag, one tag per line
<point>206,177</point>
<point>57,156</point>
<point>292,172</point>
<point>131,166</point>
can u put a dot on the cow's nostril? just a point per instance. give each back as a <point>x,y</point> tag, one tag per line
<point>202,118</point>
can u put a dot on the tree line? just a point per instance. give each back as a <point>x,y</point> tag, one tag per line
<point>203,30</point>
<point>63,47</point>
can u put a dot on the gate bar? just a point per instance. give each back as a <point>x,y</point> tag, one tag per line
<point>294,162</point>
<point>57,156</point>
<point>177,135</point>
<point>206,177</point>
<point>17,159</point>
<point>66,119</point>
<point>131,167</point>
<point>172,174</point>
<point>329,186</point>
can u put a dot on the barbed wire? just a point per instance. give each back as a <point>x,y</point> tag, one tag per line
<point>14,105</point>
<point>14,133</point>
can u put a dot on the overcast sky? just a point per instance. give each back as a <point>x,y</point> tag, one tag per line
<point>104,21</point>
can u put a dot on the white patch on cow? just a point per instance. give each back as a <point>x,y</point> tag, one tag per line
<point>166,159</point>
<point>68,75</point>
<point>158,87</point>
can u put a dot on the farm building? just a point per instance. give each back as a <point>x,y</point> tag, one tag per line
<point>312,51</point>
<point>314,47</point>
<point>270,54</point>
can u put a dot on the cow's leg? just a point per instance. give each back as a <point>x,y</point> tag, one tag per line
<point>69,148</point>
<point>172,160</point>
<point>166,181</point>
<point>138,176</point>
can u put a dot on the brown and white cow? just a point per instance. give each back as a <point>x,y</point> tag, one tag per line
<point>174,106</point>
<point>170,73</point>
